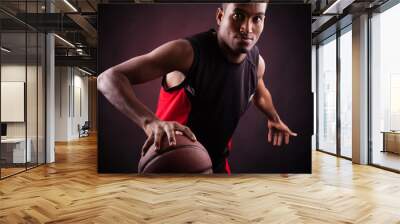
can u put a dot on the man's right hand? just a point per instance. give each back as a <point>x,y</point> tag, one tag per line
<point>155,131</point>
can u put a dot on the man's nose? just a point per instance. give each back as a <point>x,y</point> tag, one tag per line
<point>246,26</point>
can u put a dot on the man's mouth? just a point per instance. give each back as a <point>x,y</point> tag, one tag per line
<point>245,37</point>
<point>247,40</point>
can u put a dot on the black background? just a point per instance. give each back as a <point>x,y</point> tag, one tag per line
<point>126,31</point>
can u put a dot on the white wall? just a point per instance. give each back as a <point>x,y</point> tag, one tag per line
<point>71,102</point>
<point>16,73</point>
<point>61,103</point>
<point>81,103</point>
<point>314,90</point>
<point>33,126</point>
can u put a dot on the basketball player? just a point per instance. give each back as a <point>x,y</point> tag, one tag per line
<point>209,80</point>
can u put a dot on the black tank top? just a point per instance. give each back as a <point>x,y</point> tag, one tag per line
<point>219,91</point>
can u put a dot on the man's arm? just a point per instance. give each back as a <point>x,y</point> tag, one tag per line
<point>277,130</point>
<point>116,85</point>
<point>262,98</point>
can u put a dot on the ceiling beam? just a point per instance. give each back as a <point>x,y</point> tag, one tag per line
<point>81,61</point>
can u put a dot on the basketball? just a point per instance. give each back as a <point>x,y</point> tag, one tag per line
<point>184,157</point>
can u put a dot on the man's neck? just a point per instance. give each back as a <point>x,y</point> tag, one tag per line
<point>231,56</point>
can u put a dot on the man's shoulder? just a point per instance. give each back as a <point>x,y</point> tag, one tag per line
<point>202,37</point>
<point>260,67</point>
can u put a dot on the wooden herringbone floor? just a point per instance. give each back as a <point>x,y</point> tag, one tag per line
<point>71,191</point>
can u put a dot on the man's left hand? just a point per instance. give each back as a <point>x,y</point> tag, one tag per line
<point>279,131</point>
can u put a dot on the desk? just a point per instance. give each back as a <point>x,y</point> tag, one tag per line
<point>391,141</point>
<point>13,150</point>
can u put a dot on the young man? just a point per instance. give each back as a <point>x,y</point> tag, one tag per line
<point>211,79</point>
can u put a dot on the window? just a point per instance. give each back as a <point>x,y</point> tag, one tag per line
<point>346,93</point>
<point>385,88</point>
<point>327,95</point>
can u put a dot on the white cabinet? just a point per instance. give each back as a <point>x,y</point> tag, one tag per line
<point>17,147</point>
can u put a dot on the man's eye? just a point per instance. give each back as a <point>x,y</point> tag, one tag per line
<point>237,16</point>
<point>258,19</point>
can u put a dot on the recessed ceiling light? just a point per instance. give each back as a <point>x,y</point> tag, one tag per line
<point>70,5</point>
<point>337,7</point>
<point>5,50</point>
<point>65,41</point>
<point>84,71</point>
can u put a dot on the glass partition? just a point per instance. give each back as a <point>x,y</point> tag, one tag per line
<point>31,99</point>
<point>22,87</point>
<point>41,87</point>
<point>346,93</point>
<point>385,88</point>
<point>14,153</point>
<point>327,95</point>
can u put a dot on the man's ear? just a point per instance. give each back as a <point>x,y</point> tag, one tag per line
<point>219,15</point>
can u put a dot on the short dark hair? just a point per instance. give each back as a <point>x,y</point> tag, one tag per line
<point>224,5</point>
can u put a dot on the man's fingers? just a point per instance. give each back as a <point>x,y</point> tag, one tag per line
<point>270,135</point>
<point>275,138</point>
<point>171,135</point>
<point>291,133</point>
<point>147,144</point>
<point>189,133</point>
<point>186,131</point>
<point>178,133</point>
<point>287,136</point>
<point>157,137</point>
<point>280,138</point>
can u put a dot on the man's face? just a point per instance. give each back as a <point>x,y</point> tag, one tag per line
<point>240,25</point>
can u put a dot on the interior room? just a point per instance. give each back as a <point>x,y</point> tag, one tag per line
<point>70,153</point>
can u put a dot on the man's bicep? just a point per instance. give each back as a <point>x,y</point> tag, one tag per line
<point>260,76</point>
<point>173,56</point>
<point>260,91</point>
